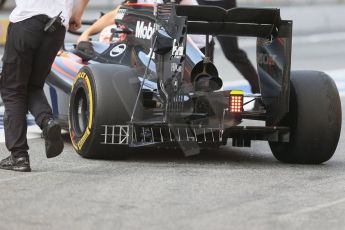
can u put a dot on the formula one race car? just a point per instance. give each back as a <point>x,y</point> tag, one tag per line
<point>154,88</point>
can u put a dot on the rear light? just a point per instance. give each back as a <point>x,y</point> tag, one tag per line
<point>236,101</point>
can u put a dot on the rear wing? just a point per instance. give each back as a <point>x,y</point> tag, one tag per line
<point>213,20</point>
<point>273,46</point>
<point>274,38</point>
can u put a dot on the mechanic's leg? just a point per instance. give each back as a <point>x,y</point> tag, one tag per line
<point>231,50</point>
<point>17,59</point>
<point>240,60</point>
<point>45,55</point>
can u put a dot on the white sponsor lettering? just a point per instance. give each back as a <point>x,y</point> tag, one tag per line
<point>177,49</point>
<point>176,68</point>
<point>118,50</point>
<point>144,31</point>
<point>120,14</point>
<point>151,54</point>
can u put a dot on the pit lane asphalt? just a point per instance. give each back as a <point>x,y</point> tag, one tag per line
<point>233,188</point>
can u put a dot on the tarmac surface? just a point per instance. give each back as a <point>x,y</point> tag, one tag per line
<point>232,188</point>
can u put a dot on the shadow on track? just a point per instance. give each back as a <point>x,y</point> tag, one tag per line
<point>259,155</point>
<point>223,155</point>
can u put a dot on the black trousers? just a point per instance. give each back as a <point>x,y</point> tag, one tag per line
<point>29,54</point>
<point>232,51</point>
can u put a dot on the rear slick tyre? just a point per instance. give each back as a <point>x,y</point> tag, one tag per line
<point>314,120</point>
<point>101,95</point>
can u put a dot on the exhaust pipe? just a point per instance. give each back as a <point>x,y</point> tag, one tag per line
<point>205,77</point>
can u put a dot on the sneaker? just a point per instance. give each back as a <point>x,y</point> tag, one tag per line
<point>52,136</point>
<point>20,164</point>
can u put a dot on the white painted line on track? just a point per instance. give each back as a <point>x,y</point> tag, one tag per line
<point>32,133</point>
<point>300,40</point>
<point>312,209</point>
<point>317,38</point>
<point>337,75</point>
<point>339,78</point>
<point>33,130</point>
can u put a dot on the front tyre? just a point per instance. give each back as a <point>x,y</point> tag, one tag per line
<point>314,120</point>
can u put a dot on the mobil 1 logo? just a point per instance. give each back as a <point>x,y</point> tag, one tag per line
<point>144,31</point>
<point>118,50</point>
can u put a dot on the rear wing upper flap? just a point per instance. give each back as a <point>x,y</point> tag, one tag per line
<point>254,22</point>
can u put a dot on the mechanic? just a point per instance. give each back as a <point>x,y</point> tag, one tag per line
<point>107,22</point>
<point>35,35</point>
<point>231,50</point>
<point>104,23</point>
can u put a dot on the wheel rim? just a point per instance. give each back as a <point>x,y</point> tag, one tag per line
<point>80,112</point>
